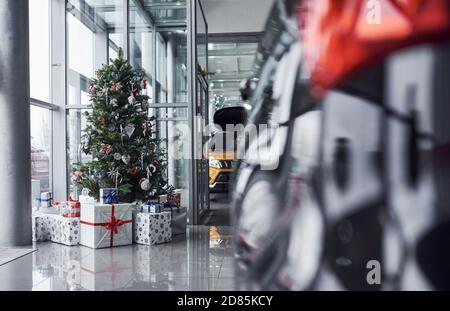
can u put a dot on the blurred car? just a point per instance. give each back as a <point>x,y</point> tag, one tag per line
<point>221,167</point>
<point>223,147</point>
<point>363,158</point>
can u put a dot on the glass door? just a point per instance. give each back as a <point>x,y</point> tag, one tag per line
<point>199,34</point>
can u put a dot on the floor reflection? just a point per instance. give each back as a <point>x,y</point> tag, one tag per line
<point>200,261</point>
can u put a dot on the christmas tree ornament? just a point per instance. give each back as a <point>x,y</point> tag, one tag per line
<point>101,174</point>
<point>147,126</point>
<point>131,100</point>
<point>121,134</point>
<point>133,171</point>
<point>114,102</point>
<point>111,128</point>
<point>76,177</point>
<point>115,176</point>
<point>87,140</point>
<point>126,159</point>
<point>129,129</point>
<point>102,120</point>
<point>106,149</point>
<point>152,169</point>
<point>117,156</point>
<point>144,84</point>
<point>106,95</point>
<point>117,86</point>
<point>145,184</point>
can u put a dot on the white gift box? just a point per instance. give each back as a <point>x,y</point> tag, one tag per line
<point>106,269</point>
<point>153,228</point>
<point>46,199</point>
<point>106,225</point>
<point>56,228</point>
<point>86,199</point>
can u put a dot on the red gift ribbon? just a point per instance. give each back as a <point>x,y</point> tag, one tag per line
<point>112,225</point>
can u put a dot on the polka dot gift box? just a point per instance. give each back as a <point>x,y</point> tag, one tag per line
<point>153,228</point>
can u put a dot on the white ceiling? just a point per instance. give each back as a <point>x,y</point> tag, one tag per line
<point>235,16</point>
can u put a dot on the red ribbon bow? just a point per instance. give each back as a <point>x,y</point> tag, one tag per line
<point>112,225</point>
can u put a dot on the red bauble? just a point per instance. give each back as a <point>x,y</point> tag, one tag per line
<point>102,120</point>
<point>133,171</point>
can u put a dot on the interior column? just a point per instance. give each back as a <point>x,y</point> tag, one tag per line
<point>15,162</point>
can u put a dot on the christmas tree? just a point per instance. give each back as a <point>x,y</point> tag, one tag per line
<point>120,137</point>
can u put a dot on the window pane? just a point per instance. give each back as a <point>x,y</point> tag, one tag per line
<point>41,145</point>
<point>228,64</point>
<point>94,30</point>
<point>76,123</point>
<point>201,38</point>
<point>40,49</point>
<point>81,47</point>
<point>173,129</point>
<point>141,44</point>
<point>171,73</point>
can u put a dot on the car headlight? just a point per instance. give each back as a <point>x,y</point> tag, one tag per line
<point>215,163</point>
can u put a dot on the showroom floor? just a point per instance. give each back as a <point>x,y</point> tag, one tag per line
<point>202,261</point>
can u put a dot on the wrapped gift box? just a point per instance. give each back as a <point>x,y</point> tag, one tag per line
<point>86,199</point>
<point>106,225</point>
<point>153,228</point>
<point>46,199</point>
<point>55,228</point>
<point>151,207</point>
<point>109,196</point>
<point>106,269</point>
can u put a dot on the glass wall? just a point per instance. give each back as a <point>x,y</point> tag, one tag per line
<point>76,123</point>
<point>141,43</point>
<point>41,146</point>
<point>40,50</point>
<point>94,33</point>
<point>40,92</point>
<point>171,69</point>
<point>87,34</point>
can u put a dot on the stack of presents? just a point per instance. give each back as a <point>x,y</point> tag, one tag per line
<point>108,223</point>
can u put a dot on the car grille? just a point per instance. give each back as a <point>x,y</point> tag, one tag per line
<point>226,164</point>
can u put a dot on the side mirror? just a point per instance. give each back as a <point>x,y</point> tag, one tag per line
<point>230,115</point>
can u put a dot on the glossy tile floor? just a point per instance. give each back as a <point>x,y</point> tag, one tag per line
<point>200,261</point>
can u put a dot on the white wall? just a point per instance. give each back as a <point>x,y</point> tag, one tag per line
<point>232,16</point>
